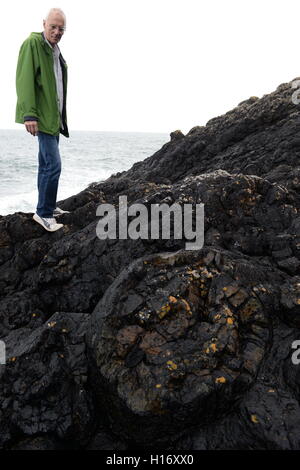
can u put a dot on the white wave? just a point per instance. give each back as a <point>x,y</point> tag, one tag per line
<point>11,203</point>
<point>27,201</point>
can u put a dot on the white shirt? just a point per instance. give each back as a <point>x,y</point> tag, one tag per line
<point>58,77</point>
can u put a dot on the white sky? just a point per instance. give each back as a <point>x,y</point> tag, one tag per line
<point>157,65</point>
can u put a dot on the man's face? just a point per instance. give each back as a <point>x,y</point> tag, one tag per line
<point>54,28</point>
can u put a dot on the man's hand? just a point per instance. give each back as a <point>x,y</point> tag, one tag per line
<point>32,127</point>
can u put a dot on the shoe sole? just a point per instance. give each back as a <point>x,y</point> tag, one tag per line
<point>45,228</point>
<point>59,214</point>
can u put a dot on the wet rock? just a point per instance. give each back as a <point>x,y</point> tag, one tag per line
<point>176,135</point>
<point>37,443</point>
<point>267,417</point>
<point>43,387</point>
<point>186,345</point>
<point>194,356</point>
<point>103,440</point>
<point>291,265</point>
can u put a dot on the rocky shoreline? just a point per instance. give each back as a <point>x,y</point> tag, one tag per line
<point>123,344</point>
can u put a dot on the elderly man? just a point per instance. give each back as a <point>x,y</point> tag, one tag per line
<point>41,82</point>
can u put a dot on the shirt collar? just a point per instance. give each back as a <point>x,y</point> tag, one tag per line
<point>55,48</point>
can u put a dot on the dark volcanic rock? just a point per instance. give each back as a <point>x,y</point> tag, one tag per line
<point>43,384</point>
<point>190,347</point>
<point>108,337</point>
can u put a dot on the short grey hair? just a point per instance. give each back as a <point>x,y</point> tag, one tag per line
<point>56,10</point>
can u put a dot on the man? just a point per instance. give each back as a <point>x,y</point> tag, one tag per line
<point>41,83</point>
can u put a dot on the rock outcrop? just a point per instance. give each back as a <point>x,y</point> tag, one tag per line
<point>119,344</point>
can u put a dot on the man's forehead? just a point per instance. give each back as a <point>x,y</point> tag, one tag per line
<point>56,18</point>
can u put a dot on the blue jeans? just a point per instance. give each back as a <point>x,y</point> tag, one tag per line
<point>48,173</point>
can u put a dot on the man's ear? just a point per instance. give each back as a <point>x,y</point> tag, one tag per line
<point>44,23</point>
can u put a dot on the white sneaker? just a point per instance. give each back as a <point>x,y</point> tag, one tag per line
<point>49,224</point>
<point>57,212</point>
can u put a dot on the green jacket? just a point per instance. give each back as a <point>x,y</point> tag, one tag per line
<point>36,86</point>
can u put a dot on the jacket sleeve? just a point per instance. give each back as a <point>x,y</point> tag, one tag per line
<point>25,81</point>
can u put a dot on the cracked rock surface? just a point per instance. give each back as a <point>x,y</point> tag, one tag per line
<point>123,344</point>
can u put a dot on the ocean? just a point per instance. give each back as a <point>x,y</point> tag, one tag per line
<point>87,157</point>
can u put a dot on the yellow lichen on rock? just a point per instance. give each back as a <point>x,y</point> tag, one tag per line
<point>187,306</point>
<point>163,311</point>
<point>220,380</point>
<point>254,419</point>
<point>212,347</point>
<point>171,365</point>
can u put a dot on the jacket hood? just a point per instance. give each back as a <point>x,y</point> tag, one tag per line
<point>41,38</point>
<point>36,36</point>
